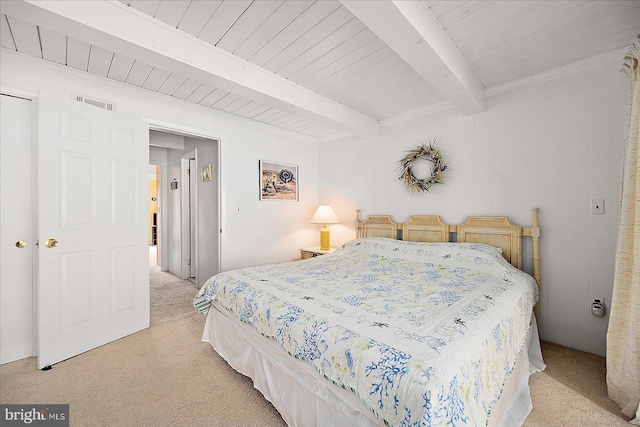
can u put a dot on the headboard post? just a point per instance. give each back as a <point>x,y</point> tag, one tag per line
<point>358,224</point>
<point>535,237</point>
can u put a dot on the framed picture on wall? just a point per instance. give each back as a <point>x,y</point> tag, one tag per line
<point>206,173</point>
<point>278,181</point>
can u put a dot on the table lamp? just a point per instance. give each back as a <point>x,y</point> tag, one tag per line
<point>324,215</point>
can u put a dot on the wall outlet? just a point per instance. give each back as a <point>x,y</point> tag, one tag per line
<point>598,307</point>
<point>597,206</point>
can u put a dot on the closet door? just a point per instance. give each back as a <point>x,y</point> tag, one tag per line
<point>93,276</point>
<point>16,236</point>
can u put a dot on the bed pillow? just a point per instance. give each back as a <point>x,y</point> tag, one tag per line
<point>401,248</point>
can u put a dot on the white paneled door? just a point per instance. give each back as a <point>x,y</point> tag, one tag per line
<point>92,209</point>
<point>16,236</point>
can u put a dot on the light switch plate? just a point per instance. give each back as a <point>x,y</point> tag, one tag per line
<point>597,206</point>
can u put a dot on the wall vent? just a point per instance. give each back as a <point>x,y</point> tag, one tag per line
<point>105,105</point>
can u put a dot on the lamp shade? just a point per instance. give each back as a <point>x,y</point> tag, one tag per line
<point>324,215</point>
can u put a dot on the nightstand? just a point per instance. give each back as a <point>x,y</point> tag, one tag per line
<point>314,252</point>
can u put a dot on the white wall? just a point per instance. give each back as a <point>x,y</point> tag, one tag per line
<point>555,146</point>
<point>269,227</point>
<point>174,223</point>
<point>262,232</point>
<point>207,209</point>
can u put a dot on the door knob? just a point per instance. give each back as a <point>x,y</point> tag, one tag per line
<point>21,244</point>
<point>51,243</point>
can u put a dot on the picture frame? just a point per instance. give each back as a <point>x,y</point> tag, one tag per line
<point>278,181</point>
<point>206,173</point>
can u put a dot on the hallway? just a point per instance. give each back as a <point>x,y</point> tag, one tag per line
<point>170,297</point>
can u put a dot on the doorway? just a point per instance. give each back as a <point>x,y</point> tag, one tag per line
<point>189,202</point>
<point>189,214</point>
<point>16,232</point>
<point>193,221</point>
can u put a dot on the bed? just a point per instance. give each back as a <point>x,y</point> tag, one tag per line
<point>399,326</point>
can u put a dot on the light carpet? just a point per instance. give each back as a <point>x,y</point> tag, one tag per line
<point>165,376</point>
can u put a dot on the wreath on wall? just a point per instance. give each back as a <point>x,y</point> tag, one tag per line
<point>428,152</point>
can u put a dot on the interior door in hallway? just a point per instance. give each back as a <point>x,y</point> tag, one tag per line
<point>193,216</point>
<point>93,277</point>
<point>16,235</point>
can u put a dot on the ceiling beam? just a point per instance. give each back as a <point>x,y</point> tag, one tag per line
<point>410,29</point>
<point>116,27</point>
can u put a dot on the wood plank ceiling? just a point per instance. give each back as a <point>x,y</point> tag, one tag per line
<point>323,47</point>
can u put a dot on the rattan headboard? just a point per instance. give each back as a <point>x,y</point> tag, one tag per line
<point>496,231</point>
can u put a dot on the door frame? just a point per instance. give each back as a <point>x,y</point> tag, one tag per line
<point>186,244</point>
<point>33,97</point>
<point>184,130</point>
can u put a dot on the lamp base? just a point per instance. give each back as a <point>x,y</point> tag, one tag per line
<point>325,239</point>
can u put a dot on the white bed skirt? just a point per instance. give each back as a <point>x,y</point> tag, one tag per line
<point>305,398</point>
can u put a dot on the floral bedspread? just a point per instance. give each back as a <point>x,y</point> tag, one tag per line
<point>424,333</point>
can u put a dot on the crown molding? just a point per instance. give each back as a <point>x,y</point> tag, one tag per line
<point>607,58</point>
<point>614,56</point>
<point>559,72</point>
